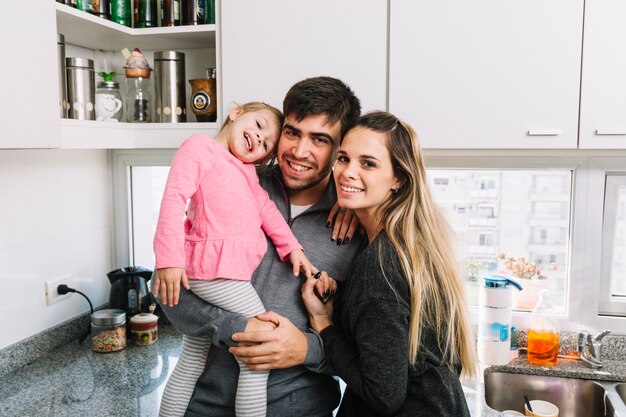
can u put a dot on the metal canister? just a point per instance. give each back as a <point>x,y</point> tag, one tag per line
<point>81,88</point>
<point>62,79</point>
<point>169,81</point>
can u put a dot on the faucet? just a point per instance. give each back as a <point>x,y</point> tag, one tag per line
<point>590,348</point>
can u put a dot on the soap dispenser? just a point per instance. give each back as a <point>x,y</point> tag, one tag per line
<point>543,333</point>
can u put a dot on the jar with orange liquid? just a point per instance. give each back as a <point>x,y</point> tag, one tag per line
<point>543,334</point>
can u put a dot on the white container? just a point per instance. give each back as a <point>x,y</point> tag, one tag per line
<point>494,320</point>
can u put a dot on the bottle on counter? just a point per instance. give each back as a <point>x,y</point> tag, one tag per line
<point>108,330</point>
<point>543,334</point>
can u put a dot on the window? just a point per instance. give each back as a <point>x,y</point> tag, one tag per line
<point>519,212</point>
<point>614,246</point>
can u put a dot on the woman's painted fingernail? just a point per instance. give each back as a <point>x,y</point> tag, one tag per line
<point>327,225</point>
<point>346,240</point>
<point>338,242</point>
<point>332,239</point>
<point>325,294</point>
<point>319,274</point>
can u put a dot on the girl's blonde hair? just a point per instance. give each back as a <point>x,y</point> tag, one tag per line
<point>253,106</point>
<point>422,238</point>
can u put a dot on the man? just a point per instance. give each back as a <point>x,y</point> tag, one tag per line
<point>318,112</point>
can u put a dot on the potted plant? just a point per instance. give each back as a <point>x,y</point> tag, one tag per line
<point>530,276</point>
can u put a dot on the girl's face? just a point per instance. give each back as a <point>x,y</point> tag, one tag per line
<point>364,172</point>
<point>252,135</point>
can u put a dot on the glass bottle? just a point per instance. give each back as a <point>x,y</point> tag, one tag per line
<point>138,100</point>
<point>146,13</point>
<point>543,334</point>
<point>120,12</point>
<point>102,8</point>
<point>170,13</point>
<point>191,14</point>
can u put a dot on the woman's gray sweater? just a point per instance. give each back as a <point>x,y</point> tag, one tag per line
<point>368,346</point>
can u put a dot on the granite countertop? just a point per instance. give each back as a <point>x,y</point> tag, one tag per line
<point>74,381</point>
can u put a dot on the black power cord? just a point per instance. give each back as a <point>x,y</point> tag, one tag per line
<point>64,289</point>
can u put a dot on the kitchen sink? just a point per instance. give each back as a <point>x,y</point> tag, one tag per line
<point>574,397</point>
<point>621,390</point>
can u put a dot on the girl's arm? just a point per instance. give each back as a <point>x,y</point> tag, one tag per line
<point>188,166</point>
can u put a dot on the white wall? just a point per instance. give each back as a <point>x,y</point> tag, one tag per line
<point>55,219</point>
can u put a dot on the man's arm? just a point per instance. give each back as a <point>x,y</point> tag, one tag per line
<point>284,347</point>
<point>195,317</point>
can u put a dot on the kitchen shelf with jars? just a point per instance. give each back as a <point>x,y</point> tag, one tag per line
<point>169,90</point>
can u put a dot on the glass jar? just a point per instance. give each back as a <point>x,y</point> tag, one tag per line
<point>144,329</point>
<point>138,100</point>
<point>109,106</point>
<point>108,330</point>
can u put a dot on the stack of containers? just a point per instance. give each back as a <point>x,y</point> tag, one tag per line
<point>494,320</point>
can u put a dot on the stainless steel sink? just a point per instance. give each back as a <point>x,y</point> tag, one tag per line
<point>574,397</point>
<point>621,391</point>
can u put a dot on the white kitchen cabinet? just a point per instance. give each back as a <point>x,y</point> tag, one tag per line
<point>103,41</point>
<point>268,45</point>
<point>603,95</point>
<point>29,110</point>
<point>487,74</point>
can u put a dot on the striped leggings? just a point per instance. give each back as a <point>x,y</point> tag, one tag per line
<point>251,400</point>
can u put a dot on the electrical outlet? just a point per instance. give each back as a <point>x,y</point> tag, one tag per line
<point>52,296</point>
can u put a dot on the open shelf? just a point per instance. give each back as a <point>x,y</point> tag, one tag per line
<point>88,134</point>
<point>90,31</point>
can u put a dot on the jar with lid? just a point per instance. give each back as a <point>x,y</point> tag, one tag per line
<point>108,330</point>
<point>144,329</point>
<point>138,100</point>
<point>108,102</point>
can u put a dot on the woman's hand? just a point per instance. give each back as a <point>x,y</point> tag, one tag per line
<point>320,305</point>
<point>168,281</point>
<point>344,222</point>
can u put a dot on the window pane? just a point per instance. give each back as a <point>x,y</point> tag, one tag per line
<point>614,237</point>
<point>521,213</point>
<point>147,185</point>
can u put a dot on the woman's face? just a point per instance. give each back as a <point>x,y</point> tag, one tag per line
<point>363,171</point>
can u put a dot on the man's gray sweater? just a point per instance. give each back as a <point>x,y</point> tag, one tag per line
<point>299,391</point>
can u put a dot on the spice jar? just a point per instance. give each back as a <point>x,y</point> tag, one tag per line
<point>144,329</point>
<point>108,330</point>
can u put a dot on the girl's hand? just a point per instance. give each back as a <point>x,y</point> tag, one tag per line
<point>320,307</point>
<point>168,281</point>
<point>301,263</point>
<point>344,222</point>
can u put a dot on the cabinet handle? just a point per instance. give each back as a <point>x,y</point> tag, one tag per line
<point>544,132</point>
<point>611,132</point>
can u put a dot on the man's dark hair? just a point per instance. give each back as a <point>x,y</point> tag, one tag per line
<point>323,95</point>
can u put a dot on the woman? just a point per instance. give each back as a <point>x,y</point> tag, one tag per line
<point>399,336</point>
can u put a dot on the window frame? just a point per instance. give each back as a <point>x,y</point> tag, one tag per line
<point>599,168</point>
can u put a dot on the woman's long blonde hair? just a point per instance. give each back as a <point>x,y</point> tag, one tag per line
<point>422,238</point>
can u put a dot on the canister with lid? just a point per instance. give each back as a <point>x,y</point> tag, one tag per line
<point>169,86</point>
<point>108,330</point>
<point>81,91</point>
<point>144,329</point>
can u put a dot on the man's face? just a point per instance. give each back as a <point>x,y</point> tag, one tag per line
<point>306,151</point>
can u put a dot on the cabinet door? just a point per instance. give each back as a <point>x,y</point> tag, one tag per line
<point>29,109</point>
<point>603,95</point>
<point>488,73</point>
<point>268,45</point>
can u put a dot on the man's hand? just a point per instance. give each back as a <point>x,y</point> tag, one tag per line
<point>167,281</point>
<point>283,347</point>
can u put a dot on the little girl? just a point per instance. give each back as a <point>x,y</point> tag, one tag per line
<point>221,241</point>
